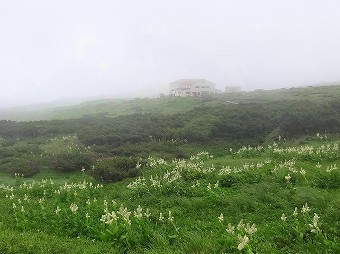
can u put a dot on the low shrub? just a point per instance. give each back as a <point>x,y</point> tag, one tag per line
<point>70,162</point>
<point>115,169</point>
<point>228,181</point>
<point>21,166</point>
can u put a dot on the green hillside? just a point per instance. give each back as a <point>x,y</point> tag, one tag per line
<point>110,108</point>
<point>171,105</point>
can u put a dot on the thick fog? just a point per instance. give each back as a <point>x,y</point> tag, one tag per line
<point>86,48</point>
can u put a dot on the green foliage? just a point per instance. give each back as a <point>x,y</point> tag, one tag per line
<point>328,180</point>
<point>229,180</point>
<point>12,148</point>
<point>160,148</point>
<point>115,169</point>
<point>70,162</point>
<point>21,166</point>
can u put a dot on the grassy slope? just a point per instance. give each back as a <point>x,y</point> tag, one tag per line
<point>115,107</point>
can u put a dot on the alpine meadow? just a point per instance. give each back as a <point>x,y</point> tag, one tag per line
<point>174,175</point>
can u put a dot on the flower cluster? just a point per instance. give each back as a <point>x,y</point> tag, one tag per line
<point>298,222</point>
<point>156,181</point>
<point>226,170</point>
<point>249,151</point>
<point>323,151</point>
<point>243,231</point>
<point>124,215</point>
<point>172,171</point>
<point>201,156</point>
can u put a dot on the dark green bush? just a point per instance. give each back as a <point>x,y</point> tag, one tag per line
<point>24,166</point>
<point>70,162</point>
<point>228,181</point>
<point>251,177</point>
<point>115,169</point>
<point>189,175</point>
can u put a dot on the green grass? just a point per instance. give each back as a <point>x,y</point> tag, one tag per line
<point>111,108</point>
<point>255,190</point>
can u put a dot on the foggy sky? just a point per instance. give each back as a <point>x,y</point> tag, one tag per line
<point>81,48</point>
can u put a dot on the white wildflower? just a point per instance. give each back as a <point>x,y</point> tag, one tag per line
<point>113,215</point>
<point>138,213</point>
<point>147,213</point>
<point>243,242</point>
<point>221,218</point>
<point>240,225</point>
<point>295,213</point>
<point>138,165</point>
<point>250,229</point>
<point>161,217</point>
<point>73,208</point>
<point>302,172</point>
<point>314,226</point>
<point>283,217</point>
<point>288,177</point>
<point>57,210</point>
<point>88,202</point>
<point>106,218</point>
<point>305,208</point>
<point>125,214</point>
<point>170,217</point>
<point>230,229</point>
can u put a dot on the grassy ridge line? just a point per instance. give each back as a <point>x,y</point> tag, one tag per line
<point>111,108</point>
<point>319,94</point>
<point>116,107</point>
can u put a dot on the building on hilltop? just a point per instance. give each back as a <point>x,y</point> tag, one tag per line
<point>192,87</point>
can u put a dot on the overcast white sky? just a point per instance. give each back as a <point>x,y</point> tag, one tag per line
<point>64,49</point>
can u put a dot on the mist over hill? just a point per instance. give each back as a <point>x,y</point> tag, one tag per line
<point>112,107</point>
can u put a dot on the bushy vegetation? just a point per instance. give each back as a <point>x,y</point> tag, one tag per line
<point>70,162</point>
<point>115,169</point>
<point>238,125</point>
<point>24,166</point>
